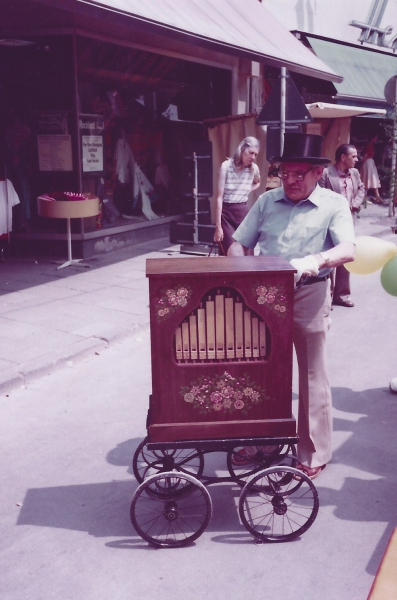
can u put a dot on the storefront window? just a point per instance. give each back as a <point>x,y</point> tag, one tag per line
<point>38,150</point>
<point>119,134</point>
<point>150,106</point>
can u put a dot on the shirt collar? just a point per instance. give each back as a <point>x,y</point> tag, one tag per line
<point>314,197</point>
<point>343,173</point>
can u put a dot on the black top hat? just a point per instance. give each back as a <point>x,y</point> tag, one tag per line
<point>302,147</point>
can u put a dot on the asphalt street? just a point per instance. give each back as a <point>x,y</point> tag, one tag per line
<point>67,439</point>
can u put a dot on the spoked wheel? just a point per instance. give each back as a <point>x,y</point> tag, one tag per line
<point>149,462</point>
<point>245,461</point>
<point>278,504</point>
<point>173,519</point>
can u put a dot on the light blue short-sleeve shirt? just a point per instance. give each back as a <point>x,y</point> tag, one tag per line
<point>282,228</point>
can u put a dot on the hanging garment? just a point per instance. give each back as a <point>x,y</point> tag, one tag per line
<point>117,104</point>
<point>162,176</point>
<point>125,161</point>
<point>8,199</point>
<point>145,188</point>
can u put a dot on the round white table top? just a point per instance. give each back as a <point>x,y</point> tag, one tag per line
<point>68,209</point>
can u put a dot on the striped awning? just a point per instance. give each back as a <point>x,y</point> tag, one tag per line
<point>365,72</point>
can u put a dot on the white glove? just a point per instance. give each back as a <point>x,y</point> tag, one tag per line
<point>306,267</point>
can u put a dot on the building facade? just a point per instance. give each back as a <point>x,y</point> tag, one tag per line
<point>357,39</point>
<point>103,98</point>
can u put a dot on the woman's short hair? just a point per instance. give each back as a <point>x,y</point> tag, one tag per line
<point>247,142</point>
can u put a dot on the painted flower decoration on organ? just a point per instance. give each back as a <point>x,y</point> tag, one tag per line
<point>223,393</point>
<point>171,300</point>
<point>272,296</point>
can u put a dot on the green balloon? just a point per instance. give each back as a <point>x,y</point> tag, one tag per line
<point>388,277</point>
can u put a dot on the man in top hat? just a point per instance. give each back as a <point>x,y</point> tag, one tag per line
<point>312,228</point>
<point>343,178</point>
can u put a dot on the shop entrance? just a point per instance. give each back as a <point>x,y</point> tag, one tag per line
<point>151,105</point>
<point>372,138</point>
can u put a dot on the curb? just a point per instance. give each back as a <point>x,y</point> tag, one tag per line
<point>48,363</point>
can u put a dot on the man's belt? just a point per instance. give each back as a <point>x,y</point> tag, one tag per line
<point>310,280</point>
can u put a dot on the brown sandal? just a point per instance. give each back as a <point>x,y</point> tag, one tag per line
<point>311,472</point>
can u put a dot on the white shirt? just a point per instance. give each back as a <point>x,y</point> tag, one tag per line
<point>283,228</point>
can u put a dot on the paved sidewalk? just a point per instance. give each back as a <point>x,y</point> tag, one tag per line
<point>49,317</point>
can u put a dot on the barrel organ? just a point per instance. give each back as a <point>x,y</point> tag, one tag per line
<point>221,329</point>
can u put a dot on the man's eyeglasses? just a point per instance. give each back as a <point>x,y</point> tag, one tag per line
<point>297,176</point>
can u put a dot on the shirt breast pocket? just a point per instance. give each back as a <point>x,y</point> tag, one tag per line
<point>312,239</point>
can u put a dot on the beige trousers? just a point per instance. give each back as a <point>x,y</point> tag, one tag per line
<point>312,307</point>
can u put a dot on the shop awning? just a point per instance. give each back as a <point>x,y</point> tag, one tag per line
<point>244,28</point>
<point>365,72</point>
<point>323,110</point>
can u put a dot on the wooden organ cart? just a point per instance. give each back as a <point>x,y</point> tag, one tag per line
<point>221,347</point>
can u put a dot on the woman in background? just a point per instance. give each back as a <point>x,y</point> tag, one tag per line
<point>238,176</point>
<point>369,172</point>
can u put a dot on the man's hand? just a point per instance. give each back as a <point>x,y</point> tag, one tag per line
<point>306,267</point>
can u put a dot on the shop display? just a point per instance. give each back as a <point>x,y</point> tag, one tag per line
<point>113,122</point>
<point>68,208</point>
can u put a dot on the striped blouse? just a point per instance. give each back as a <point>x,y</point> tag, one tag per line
<point>238,183</point>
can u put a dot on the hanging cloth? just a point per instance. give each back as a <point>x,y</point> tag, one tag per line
<point>8,199</point>
<point>145,187</point>
<point>125,161</point>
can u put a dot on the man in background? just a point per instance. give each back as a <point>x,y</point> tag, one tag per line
<point>344,179</point>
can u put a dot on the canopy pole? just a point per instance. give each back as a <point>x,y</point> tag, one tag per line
<point>394,153</point>
<point>283,104</point>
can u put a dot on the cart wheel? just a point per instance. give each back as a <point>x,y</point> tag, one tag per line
<point>278,504</point>
<point>175,519</point>
<point>245,461</point>
<point>149,462</point>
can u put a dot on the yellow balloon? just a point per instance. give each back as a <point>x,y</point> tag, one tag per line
<point>371,255</point>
